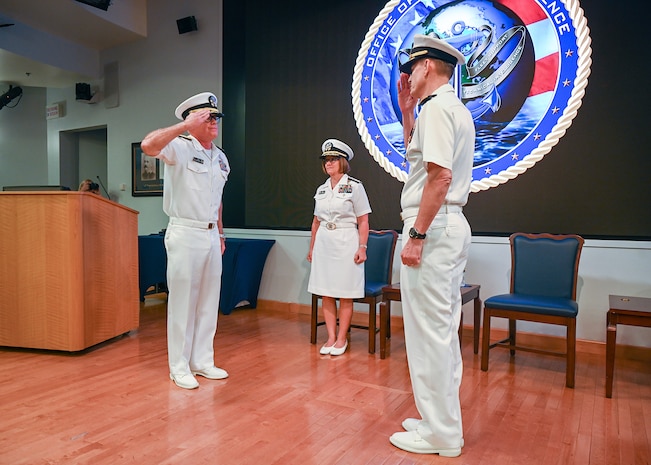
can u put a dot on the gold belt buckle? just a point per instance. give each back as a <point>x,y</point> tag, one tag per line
<point>331,226</point>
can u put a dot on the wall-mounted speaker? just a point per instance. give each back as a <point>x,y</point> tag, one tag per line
<point>187,24</point>
<point>82,91</point>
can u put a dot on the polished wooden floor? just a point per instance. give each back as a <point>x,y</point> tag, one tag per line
<point>286,404</point>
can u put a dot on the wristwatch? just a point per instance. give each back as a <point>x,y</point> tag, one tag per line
<point>416,235</point>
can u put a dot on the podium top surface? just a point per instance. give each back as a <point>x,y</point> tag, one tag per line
<point>7,194</point>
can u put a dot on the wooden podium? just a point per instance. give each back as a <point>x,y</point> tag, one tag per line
<point>68,270</point>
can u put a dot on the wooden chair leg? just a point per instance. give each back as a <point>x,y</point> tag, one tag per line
<point>571,352</point>
<point>384,323</point>
<point>461,332</point>
<point>388,319</point>
<point>315,312</point>
<point>485,339</point>
<point>372,317</point>
<point>476,323</point>
<point>611,340</point>
<point>512,326</point>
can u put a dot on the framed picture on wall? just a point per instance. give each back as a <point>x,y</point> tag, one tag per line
<point>147,177</point>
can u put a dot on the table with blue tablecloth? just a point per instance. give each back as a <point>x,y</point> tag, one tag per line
<point>152,263</point>
<point>243,263</point>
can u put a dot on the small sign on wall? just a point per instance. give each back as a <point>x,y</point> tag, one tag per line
<point>54,111</point>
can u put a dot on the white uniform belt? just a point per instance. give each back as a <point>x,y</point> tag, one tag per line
<point>331,225</point>
<point>194,223</point>
<point>411,212</point>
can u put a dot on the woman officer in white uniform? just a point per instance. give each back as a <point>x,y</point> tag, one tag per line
<point>338,243</point>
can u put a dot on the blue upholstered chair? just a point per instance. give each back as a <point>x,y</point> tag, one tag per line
<point>544,274</point>
<point>378,270</point>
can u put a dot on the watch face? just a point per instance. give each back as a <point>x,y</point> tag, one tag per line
<point>415,234</point>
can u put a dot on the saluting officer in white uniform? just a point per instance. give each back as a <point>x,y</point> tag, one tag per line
<point>436,240</point>
<point>196,171</point>
<point>338,243</point>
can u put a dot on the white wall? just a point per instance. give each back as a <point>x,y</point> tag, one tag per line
<point>92,156</point>
<point>23,148</point>
<point>606,267</point>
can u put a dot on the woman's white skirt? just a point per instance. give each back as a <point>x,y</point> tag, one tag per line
<point>334,272</point>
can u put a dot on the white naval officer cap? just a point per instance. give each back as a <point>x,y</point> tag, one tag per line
<point>336,148</point>
<point>430,47</point>
<point>197,102</point>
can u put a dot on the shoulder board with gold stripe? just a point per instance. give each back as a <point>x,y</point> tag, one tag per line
<point>354,180</point>
<point>183,136</point>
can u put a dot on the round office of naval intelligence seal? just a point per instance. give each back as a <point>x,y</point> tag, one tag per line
<point>527,67</point>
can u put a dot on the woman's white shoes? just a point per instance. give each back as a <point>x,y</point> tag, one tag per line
<point>332,350</point>
<point>325,350</point>
<point>338,350</point>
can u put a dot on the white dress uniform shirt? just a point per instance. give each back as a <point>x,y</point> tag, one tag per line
<point>194,179</point>
<point>444,135</point>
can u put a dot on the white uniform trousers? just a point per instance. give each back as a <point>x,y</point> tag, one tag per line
<point>431,306</point>
<point>194,269</point>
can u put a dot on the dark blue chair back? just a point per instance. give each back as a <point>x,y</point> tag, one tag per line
<point>545,264</point>
<point>379,260</point>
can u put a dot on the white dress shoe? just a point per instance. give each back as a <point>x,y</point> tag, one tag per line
<point>339,350</point>
<point>211,373</point>
<point>185,381</point>
<point>411,424</point>
<point>325,350</point>
<point>412,442</point>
